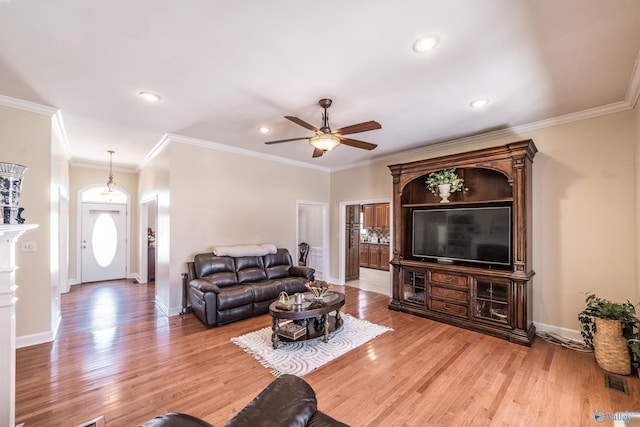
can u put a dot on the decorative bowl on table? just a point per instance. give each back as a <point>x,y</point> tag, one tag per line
<point>318,288</point>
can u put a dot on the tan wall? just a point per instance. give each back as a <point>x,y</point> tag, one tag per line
<point>583,210</point>
<point>222,198</point>
<point>25,138</point>
<point>82,177</point>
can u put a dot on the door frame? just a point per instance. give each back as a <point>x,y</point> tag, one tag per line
<point>343,231</point>
<point>325,234</point>
<point>143,275</point>
<point>79,202</point>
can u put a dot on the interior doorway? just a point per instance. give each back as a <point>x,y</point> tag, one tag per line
<point>312,225</point>
<point>148,239</point>
<point>368,279</point>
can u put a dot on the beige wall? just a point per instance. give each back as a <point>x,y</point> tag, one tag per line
<point>221,198</point>
<point>27,138</point>
<point>82,177</point>
<point>583,210</point>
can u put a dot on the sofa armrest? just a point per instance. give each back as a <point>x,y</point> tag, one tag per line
<point>287,401</point>
<point>204,286</point>
<point>300,271</point>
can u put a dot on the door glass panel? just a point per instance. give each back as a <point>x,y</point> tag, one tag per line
<point>104,240</point>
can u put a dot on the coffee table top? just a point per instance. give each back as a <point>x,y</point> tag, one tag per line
<point>310,308</point>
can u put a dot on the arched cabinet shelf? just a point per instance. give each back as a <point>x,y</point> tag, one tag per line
<point>483,283</point>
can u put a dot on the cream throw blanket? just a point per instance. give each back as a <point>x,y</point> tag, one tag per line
<point>244,250</point>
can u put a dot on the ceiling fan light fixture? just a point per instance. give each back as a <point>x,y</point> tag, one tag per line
<point>324,141</point>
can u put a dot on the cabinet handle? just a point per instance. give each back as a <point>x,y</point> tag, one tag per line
<point>446,306</point>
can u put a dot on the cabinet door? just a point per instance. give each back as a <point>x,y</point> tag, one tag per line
<point>374,255</point>
<point>364,254</point>
<point>413,286</point>
<point>368,213</point>
<point>384,257</point>
<point>381,217</point>
<point>491,300</point>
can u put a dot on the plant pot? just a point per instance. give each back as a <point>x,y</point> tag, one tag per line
<point>610,347</point>
<point>444,191</point>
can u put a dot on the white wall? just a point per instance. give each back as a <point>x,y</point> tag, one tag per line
<point>310,224</point>
<point>584,218</point>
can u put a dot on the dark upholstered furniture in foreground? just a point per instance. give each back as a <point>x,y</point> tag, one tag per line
<point>224,289</point>
<point>289,401</point>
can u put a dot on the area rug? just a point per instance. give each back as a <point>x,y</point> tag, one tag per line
<point>302,357</point>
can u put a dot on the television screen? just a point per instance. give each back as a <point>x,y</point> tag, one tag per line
<point>463,234</point>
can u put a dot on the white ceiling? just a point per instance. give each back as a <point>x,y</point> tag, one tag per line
<point>224,68</point>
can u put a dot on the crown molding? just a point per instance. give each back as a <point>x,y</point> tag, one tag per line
<point>529,127</point>
<point>32,107</point>
<point>170,137</point>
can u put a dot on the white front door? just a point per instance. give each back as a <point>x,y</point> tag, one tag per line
<point>104,242</point>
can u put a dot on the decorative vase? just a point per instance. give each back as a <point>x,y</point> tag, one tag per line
<point>444,191</point>
<point>10,187</point>
<point>610,347</point>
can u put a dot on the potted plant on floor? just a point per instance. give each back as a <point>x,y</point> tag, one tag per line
<point>607,328</point>
<point>445,182</point>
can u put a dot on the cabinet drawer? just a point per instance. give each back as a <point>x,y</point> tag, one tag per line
<point>445,307</point>
<point>449,293</point>
<point>449,279</point>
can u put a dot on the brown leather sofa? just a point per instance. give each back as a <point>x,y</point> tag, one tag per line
<point>289,401</point>
<point>223,289</point>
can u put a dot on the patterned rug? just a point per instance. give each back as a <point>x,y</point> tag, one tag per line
<point>303,357</point>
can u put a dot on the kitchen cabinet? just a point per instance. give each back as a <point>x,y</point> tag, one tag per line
<point>376,216</point>
<point>374,255</point>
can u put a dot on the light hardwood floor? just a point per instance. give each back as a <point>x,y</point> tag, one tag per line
<point>117,356</point>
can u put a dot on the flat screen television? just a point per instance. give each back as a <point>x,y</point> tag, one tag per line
<point>475,235</point>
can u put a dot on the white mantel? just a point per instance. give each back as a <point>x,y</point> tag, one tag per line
<point>9,235</point>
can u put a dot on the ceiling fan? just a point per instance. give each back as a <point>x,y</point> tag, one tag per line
<point>325,139</point>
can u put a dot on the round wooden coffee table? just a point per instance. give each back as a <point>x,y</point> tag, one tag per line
<point>312,315</point>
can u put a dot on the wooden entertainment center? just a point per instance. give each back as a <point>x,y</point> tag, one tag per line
<point>486,297</point>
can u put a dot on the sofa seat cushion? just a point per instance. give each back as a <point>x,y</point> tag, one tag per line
<point>266,290</point>
<point>234,296</point>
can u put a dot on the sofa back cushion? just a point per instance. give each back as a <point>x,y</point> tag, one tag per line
<point>250,269</point>
<point>277,265</point>
<point>219,270</point>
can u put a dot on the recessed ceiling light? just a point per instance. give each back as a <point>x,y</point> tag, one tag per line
<point>264,129</point>
<point>426,43</point>
<point>479,103</point>
<point>150,96</point>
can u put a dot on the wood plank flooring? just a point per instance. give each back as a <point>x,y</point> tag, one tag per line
<point>116,355</point>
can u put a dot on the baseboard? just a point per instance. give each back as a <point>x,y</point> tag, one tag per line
<point>35,339</point>
<point>570,334</point>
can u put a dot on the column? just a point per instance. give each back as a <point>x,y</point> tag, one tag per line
<point>9,235</point>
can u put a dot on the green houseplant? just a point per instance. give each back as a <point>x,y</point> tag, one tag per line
<point>602,313</point>
<point>445,176</point>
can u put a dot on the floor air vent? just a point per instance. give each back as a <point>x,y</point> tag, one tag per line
<point>616,383</point>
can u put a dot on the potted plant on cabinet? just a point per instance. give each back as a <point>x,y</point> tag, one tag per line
<point>607,328</point>
<point>443,183</point>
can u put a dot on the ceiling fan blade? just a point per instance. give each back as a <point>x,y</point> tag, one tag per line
<point>286,140</point>
<point>360,127</point>
<point>302,123</point>
<point>357,144</point>
<point>317,153</point>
